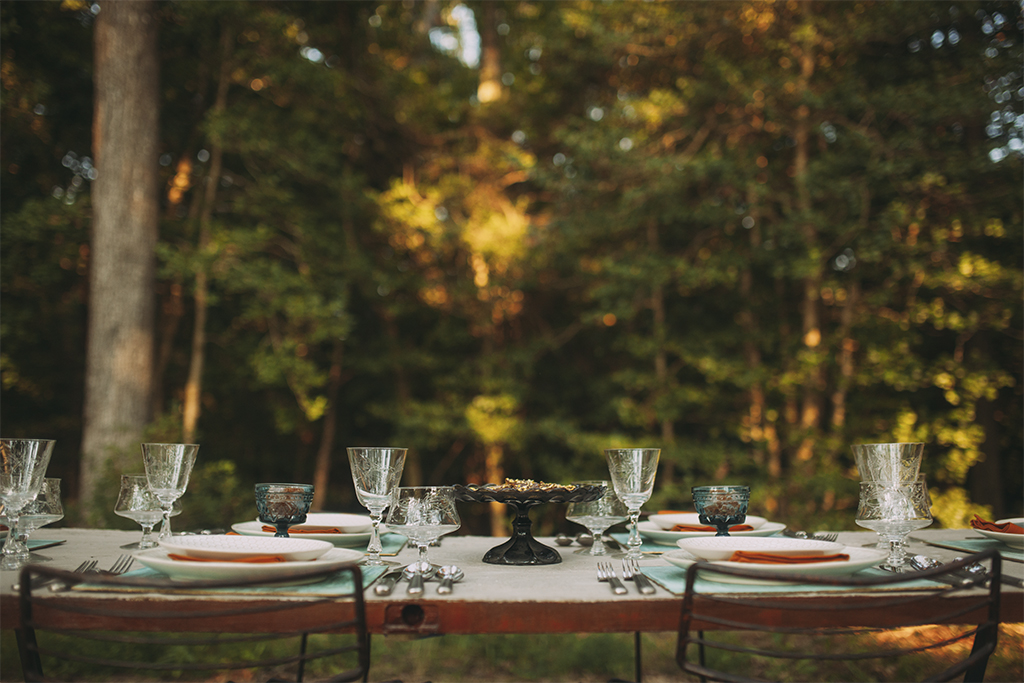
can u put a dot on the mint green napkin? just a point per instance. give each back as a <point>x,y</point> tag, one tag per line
<point>335,584</point>
<point>673,579</point>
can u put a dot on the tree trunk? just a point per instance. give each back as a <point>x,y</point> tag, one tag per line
<point>194,384</point>
<point>668,433</point>
<point>322,468</point>
<point>489,88</point>
<point>119,360</point>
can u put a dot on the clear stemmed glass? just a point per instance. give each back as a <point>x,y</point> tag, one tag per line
<point>168,466</point>
<point>376,473</point>
<point>23,464</point>
<point>283,505</point>
<point>423,514</point>
<point>45,509</point>
<point>136,502</point>
<point>893,512</point>
<point>596,516</point>
<point>632,471</point>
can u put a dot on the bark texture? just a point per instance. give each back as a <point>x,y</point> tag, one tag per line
<point>119,364</point>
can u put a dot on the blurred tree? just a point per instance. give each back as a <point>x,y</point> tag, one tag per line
<point>119,364</point>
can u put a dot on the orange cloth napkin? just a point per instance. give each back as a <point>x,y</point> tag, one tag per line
<point>771,558</point>
<point>1005,528</point>
<point>306,529</point>
<point>675,512</point>
<point>255,559</point>
<point>700,527</point>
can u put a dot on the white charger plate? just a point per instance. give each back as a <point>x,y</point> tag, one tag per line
<point>1012,540</point>
<point>237,547</point>
<point>721,548</point>
<point>178,570</point>
<point>651,531</point>
<point>668,521</point>
<point>860,558</point>
<point>347,540</point>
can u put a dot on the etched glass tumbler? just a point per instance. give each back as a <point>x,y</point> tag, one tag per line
<point>893,512</point>
<point>376,473</point>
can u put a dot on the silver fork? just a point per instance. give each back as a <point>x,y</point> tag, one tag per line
<point>54,585</point>
<point>821,536</point>
<point>122,565</point>
<point>631,572</point>
<point>606,573</point>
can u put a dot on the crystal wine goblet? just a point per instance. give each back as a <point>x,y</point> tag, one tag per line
<point>283,505</point>
<point>376,473</point>
<point>424,514</point>
<point>893,512</point>
<point>23,464</point>
<point>597,516</point>
<point>721,506</point>
<point>632,471</point>
<point>136,502</point>
<point>45,509</point>
<point>168,466</point>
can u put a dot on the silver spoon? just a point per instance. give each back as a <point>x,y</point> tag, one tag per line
<point>416,578</point>
<point>449,574</point>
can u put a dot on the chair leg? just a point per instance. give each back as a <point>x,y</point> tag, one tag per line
<point>638,664</point>
<point>302,653</point>
<point>700,654</point>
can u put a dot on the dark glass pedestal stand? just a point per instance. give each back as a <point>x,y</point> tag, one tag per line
<point>522,548</point>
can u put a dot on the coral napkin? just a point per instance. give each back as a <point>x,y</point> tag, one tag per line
<point>254,559</point>
<point>771,558</point>
<point>700,527</point>
<point>306,529</point>
<point>1005,528</point>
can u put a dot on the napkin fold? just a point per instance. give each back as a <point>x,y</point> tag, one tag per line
<point>1005,528</point>
<point>772,558</point>
<point>253,559</point>
<point>701,527</point>
<point>305,529</point>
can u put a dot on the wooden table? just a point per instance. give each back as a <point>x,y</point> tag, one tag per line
<point>492,599</point>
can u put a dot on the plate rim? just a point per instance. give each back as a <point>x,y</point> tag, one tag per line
<point>766,530</point>
<point>215,570</point>
<point>870,553</point>
<point>650,518</point>
<point>193,546</point>
<point>797,545</point>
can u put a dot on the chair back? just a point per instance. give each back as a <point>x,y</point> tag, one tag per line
<point>938,624</point>
<point>96,626</point>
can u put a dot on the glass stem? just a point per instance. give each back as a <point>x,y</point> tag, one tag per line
<point>424,562</point>
<point>11,543</point>
<point>598,548</point>
<point>374,547</point>
<point>897,552</point>
<point>147,536</point>
<point>165,529</point>
<point>634,541</point>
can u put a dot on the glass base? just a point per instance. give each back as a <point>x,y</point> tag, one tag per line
<point>379,562</point>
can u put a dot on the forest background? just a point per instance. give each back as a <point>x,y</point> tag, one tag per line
<point>508,235</point>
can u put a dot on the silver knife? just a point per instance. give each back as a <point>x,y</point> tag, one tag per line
<point>388,580</point>
<point>643,584</point>
<point>959,549</point>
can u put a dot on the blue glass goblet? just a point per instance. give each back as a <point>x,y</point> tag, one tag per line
<point>721,506</point>
<point>283,505</point>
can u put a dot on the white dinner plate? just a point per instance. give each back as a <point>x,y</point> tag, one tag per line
<point>860,558</point>
<point>668,521</point>
<point>219,547</point>
<point>1012,540</point>
<point>183,570</point>
<point>652,532</point>
<point>721,548</point>
<point>347,540</point>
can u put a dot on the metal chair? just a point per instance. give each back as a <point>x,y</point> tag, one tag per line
<point>730,636</point>
<point>155,628</point>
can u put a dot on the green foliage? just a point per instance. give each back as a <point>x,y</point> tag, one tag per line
<point>751,234</point>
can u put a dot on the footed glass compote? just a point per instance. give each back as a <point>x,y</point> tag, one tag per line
<point>596,516</point>
<point>283,505</point>
<point>632,471</point>
<point>376,473</point>
<point>893,512</point>
<point>136,502</point>
<point>168,466</point>
<point>423,514</point>
<point>721,506</point>
<point>47,508</point>
<point>23,464</point>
